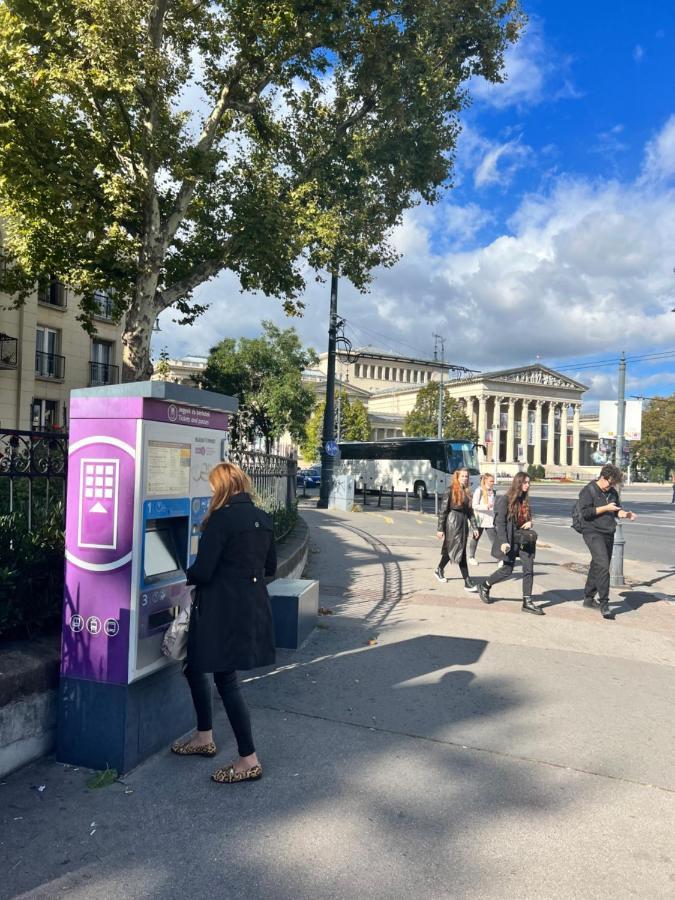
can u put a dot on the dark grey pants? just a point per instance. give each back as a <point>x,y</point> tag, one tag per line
<point>601,546</point>
<point>506,571</point>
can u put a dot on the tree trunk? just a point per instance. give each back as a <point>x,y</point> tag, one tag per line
<point>136,364</point>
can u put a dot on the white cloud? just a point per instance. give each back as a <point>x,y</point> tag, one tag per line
<point>512,155</point>
<point>638,53</point>
<point>659,163</point>
<point>534,73</point>
<point>584,269</point>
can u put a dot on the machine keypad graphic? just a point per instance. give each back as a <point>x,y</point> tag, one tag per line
<point>99,480</point>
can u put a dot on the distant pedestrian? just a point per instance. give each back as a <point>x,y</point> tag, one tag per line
<point>483,507</point>
<point>514,539</point>
<point>599,508</point>
<point>455,518</point>
<point>231,621</point>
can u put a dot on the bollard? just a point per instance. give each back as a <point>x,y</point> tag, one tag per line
<point>406,499</point>
<point>379,497</point>
<point>421,496</point>
<point>365,493</point>
<point>436,503</point>
<point>392,495</point>
<point>616,578</point>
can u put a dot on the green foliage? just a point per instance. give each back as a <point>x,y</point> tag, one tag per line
<point>265,374</point>
<point>317,125</point>
<point>31,572</point>
<point>351,423</point>
<point>654,453</point>
<point>536,473</point>
<point>102,779</point>
<point>422,420</point>
<point>162,368</point>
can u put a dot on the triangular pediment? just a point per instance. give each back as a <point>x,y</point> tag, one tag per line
<point>536,374</point>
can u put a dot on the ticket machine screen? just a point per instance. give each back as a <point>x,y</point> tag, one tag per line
<point>164,556</point>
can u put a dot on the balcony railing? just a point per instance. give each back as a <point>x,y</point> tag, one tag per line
<point>104,305</point>
<point>49,365</point>
<point>103,373</point>
<point>53,293</point>
<point>8,352</point>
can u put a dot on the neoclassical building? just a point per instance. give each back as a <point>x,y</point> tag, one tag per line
<point>523,415</point>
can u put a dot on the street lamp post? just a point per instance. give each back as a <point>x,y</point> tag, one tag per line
<point>327,459</point>
<point>616,578</point>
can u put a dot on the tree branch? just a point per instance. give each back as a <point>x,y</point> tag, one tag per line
<point>200,273</point>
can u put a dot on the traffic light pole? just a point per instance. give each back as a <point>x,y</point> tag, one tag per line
<point>327,459</point>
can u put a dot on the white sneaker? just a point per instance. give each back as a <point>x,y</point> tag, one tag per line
<point>472,561</point>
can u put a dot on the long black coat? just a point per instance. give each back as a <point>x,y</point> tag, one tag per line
<point>231,620</point>
<point>454,522</point>
<point>505,529</point>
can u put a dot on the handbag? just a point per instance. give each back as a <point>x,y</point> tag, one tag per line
<point>526,539</point>
<point>174,643</point>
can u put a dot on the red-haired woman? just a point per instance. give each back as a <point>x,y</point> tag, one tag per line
<point>515,538</point>
<point>454,519</point>
<point>231,621</point>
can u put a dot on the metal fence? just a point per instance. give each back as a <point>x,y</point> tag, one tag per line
<point>33,471</point>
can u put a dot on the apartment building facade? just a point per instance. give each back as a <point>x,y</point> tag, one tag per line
<point>45,353</point>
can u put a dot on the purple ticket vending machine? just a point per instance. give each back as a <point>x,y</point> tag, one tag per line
<point>138,490</point>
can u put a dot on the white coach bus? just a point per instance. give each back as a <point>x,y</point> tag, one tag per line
<point>419,465</point>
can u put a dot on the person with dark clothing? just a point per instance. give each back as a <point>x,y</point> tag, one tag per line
<point>454,519</point>
<point>599,508</point>
<point>231,624</point>
<point>514,539</point>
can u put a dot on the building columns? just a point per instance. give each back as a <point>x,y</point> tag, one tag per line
<point>537,432</point>
<point>562,446</point>
<point>496,433</point>
<point>482,420</point>
<point>550,443</point>
<point>524,427</point>
<point>511,455</point>
<point>576,436</point>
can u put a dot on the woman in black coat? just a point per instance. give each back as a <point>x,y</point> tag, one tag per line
<point>231,621</point>
<point>454,519</point>
<point>514,538</point>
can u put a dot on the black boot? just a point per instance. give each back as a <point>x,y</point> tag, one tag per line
<point>484,592</point>
<point>440,574</point>
<point>606,610</point>
<point>470,585</point>
<point>528,606</point>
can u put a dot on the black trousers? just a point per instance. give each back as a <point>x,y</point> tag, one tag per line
<point>601,546</point>
<point>233,701</point>
<point>506,571</point>
<point>445,559</point>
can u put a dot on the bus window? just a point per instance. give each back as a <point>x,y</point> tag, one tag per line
<point>462,455</point>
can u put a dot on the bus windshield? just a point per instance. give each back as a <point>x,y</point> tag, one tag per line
<point>462,455</point>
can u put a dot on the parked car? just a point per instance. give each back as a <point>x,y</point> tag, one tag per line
<point>310,478</point>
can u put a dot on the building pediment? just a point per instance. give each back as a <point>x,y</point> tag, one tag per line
<point>536,375</point>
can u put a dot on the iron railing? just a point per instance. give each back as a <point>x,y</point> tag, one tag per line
<point>49,365</point>
<point>103,373</point>
<point>53,292</point>
<point>8,352</point>
<point>104,305</point>
<point>274,483</point>
<point>33,470</point>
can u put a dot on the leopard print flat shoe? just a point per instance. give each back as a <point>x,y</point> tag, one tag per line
<point>187,748</point>
<point>227,775</point>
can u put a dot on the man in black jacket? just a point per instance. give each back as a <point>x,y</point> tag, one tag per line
<point>599,508</point>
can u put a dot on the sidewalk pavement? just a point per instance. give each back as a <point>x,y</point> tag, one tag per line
<point>471,751</point>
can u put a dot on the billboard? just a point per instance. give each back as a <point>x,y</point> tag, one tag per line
<point>608,419</point>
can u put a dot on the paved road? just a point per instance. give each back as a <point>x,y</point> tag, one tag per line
<point>648,540</point>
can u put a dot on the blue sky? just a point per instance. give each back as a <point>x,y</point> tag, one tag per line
<point>557,241</point>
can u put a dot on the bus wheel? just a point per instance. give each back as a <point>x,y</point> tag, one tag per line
<point>420,489</point>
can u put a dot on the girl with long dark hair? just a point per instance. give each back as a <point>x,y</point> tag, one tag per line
<point>231,621</point>
<point>515,538</point>
<point>454,520</point>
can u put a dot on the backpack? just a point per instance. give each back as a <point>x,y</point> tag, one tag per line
<point>576,518</point>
